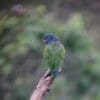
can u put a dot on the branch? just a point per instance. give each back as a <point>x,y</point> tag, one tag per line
<point>43,86</point>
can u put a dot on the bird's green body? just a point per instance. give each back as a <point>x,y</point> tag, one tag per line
<point>54,54</point>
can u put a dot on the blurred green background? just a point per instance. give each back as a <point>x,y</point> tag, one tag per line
<point>23,23</point>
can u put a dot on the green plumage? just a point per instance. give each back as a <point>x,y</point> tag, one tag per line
<point>54,54</point>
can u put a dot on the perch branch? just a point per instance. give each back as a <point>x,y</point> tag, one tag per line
<point>43,86</point>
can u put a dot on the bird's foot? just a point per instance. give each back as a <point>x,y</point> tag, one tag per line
<point>59,69</point>
<point>48,73</point>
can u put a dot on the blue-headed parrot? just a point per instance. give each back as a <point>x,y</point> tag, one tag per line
<point>54,53</point>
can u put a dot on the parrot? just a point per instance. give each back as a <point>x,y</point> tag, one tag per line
<point>54,53</point>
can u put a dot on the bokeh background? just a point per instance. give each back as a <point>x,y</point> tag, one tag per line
<point>23,23</point>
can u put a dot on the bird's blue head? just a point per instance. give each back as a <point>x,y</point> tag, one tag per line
<point>49,38</point>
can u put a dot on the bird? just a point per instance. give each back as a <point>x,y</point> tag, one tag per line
<point>54,53</point>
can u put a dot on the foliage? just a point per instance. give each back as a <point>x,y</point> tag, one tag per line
<point>21,50</point>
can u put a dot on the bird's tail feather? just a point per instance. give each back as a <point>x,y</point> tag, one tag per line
<point>55,73</point>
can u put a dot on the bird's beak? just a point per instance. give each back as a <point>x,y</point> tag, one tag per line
<point>44,40</point>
